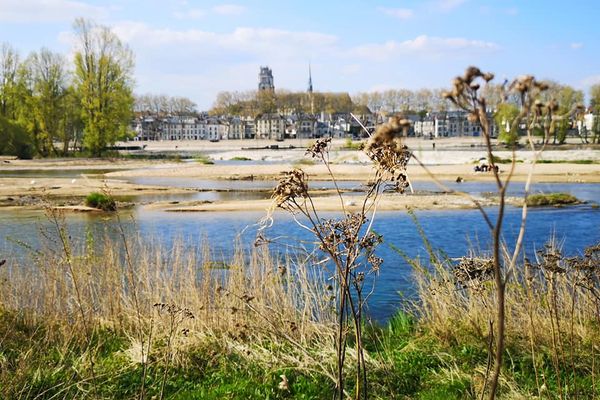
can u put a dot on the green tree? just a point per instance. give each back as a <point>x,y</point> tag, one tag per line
<point>103,78</point>
<point>9,67</point>
<point>49,99</point>
<point>14,139</point>
<point>568,99</point>
<point>504,117</point>
<point>595,110</point>
<point>595,98</point>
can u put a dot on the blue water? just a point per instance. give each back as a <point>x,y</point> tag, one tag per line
<point>454,232</point>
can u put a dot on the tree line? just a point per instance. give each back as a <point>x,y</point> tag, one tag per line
<point>50,106</point>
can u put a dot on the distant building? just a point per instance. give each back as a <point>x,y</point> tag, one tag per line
<point>183,128</point>
<point>265,79</point>
<point>449,124</point>
<point>270,126</point>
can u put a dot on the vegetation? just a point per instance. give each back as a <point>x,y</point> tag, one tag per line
<point>103,79</point>
<point>551,199</point>
<point>203,159</point>
<point>567,161</point>
<point>552,320</point>
<point>351,145</point>
<point>14,140</point>
<point>60,113</point>
<point>101,201</point>
<point>504,117</point>
<point>265,328</point>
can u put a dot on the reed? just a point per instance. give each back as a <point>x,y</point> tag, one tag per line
<point>267,308</point>
<point>552,305</point>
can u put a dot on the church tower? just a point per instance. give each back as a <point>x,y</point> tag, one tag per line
<point>265,79</point>
<point>310,87</point>
<point>310,91</point>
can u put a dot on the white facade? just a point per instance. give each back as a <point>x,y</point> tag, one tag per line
<point>177,128</point>
<point>270,126</point>
<point>216,130</point>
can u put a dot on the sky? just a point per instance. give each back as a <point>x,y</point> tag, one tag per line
<point>199,48</point>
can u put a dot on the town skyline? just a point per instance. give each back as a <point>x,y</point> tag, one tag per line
<point>196,49</point>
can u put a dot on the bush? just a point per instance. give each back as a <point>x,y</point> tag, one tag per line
<point>14,140</point>
<point>551,199</point>
<point>101,201</point>
<point>202,159</point>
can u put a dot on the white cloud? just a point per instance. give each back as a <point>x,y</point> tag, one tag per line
<point>245,40</point>
<point>23,11</point>
<point>447,5</point>
<point>421,45</point>
<point>229,9</point>
<point>400,13</point>
<point>199,63</point>
<point>576,45</point>
<point>511,11</point>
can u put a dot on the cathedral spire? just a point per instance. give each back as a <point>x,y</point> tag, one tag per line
<point>310,87</point>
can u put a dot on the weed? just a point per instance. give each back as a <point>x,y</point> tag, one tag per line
<point>551,199</point>
<point>101,201</point>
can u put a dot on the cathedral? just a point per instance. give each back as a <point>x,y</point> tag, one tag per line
<point>265,79</point>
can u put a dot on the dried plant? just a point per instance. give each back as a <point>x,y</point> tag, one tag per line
<point>348,241</point>
<point>553,306</point>
<point>175,316</point>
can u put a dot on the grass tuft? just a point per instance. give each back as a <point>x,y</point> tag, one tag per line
<point>101,201</point>
<point>551,199</point>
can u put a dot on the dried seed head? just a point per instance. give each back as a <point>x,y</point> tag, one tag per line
<point>292,185</point>
<point>447,95</point>
<point>488,76</point>
<point>472,73</point>
<point>386,150</point>
<point>319,147</point>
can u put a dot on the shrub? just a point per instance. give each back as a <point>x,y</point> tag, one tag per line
<point>14,140</point>
<point>551,199</point>
<point>202,159</point>
<point>101,201</point>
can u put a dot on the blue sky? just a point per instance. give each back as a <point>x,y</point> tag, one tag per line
<point>198,48</point>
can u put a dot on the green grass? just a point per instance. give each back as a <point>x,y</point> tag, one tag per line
<point>551,199</point>
<point>415,364</point>
<point>101,201</point>
<point>351,145</point>
<point>202,159</point>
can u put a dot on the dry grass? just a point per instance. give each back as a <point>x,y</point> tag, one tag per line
<point>552,309</point>
<point>275,311</point>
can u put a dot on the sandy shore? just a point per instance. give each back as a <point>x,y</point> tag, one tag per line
<point>387,202</point>
<point>35,192</point>
<point>452,160</point>
<point>581,173</point>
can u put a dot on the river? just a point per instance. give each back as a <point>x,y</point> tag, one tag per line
<point>454,231</point>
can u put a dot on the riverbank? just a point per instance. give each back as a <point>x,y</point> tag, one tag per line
<point>66,182</point>
<point>387,202</point>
